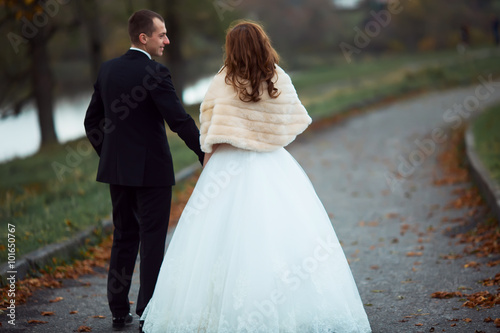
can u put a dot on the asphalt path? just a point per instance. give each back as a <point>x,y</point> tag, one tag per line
<point>374,174</point>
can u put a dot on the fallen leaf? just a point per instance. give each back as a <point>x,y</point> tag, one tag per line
<point>444,294</point>
<point>451,256</point>
<point>34,321</point>
<point>483,299</point>
<point>47,313</point>
<point>472,264</point>
<point>100,317</point>
<point>84,329</point>
<point>492,282</point>
<point>414,254</point>
<point>403,229</point>
<point>73,312</point>
<point>493,263</point>
<point>57,299</point>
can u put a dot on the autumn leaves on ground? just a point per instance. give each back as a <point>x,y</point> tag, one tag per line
<point>96,256</point>
<point>481,242</point>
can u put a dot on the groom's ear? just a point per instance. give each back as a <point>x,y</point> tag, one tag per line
<point>143,38</point>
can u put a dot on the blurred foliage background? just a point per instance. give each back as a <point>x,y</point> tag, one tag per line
<point>54,47</point>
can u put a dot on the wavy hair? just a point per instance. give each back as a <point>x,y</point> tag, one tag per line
<point>250,60</point>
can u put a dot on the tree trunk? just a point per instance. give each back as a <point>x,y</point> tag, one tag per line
<point>43,85</point>
<point>91,17</point>
<point>174,50</point>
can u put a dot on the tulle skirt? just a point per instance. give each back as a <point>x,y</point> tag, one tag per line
<point>254,251</point>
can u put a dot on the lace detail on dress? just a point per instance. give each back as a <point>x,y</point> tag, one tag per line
<point>240,292</point>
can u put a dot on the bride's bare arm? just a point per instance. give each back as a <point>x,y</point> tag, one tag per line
<point>208,155</point>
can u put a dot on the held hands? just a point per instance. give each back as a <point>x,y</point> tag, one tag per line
<point>208,155</point>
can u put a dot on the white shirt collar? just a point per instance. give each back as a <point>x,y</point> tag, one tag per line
<point>136,49</point>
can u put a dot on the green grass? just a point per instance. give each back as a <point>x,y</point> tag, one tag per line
<point>335,86</point>
<point>46,208</point>
<point>43,207</point>
<point>487,139</point>
<point>48,205</point>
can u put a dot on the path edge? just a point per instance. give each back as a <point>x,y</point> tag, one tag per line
<point>488,187</point>
<point>70,248</point>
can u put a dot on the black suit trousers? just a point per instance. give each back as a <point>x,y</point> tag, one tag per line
<point>140,218</point>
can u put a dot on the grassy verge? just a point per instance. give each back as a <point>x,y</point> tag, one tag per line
<point>487,140</point>
<point>333,87</point>
<point>49,205</point>
<point>44,207</point>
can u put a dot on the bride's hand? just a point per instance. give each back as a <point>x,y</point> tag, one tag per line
<point>206,158</point>
<point>208,155</point>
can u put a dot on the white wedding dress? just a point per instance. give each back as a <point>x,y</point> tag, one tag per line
<point>254,252</point>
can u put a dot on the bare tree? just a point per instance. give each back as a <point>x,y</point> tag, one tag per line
<point>90,14</point>
<point>36,25</point>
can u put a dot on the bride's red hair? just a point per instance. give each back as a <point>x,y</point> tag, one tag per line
<point>250,61</point>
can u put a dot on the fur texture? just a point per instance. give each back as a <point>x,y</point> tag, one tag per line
<point>266,125</point>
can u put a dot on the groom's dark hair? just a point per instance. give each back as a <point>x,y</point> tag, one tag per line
<point>142,22</point>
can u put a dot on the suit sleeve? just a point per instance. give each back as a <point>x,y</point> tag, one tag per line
<point>173,112</point>
<point>94,120</point>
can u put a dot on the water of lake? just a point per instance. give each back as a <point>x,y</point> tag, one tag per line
<point>20,136</point>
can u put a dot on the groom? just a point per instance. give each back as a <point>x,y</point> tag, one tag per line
<point>133,96</point>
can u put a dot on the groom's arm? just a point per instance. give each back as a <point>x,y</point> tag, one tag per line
<point>94,119</point>
<point>173,112</point>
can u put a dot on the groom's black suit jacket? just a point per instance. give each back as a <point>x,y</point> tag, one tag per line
<point>133,96</point>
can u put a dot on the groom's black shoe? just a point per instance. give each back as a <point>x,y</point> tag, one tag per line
<point>121,322</point>
<point>141,325</point>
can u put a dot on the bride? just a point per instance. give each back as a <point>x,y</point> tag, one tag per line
<point>254,250</point>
